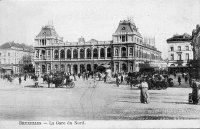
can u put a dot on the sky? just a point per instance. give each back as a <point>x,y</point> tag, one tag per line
<point>21,21</point>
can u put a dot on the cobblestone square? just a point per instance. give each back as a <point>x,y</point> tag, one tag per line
<point>104,102</point>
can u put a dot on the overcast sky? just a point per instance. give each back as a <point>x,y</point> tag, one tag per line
<point>21,21</point>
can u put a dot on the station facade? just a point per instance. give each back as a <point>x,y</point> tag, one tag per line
<point>128,51</point>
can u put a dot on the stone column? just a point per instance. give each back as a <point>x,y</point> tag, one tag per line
<point>40,54</point>
<point>78,68</point>
<point>105,52</point>
<point>78,53</point>
<point>120,67</point>
<point>85,52</point>
<point>120,51</point>
<point>72,70</point>
<point>92,53</point>
<point>65,54</point>
<point>72,53</point>
<point>98,52</point>
<point>59,53</point>
<point>91,64</point>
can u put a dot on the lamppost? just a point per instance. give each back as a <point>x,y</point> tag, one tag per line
<point>94,77</point>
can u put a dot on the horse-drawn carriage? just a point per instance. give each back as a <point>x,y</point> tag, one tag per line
<point>59,79</point>
<point>62,80</point>
<point>154,82</point>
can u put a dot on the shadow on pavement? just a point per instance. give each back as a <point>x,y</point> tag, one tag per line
<point>128,101</point>
<point>33,86</point>
<point>177,102</point>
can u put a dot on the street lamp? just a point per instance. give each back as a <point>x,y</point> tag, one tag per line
<point>94,77</point>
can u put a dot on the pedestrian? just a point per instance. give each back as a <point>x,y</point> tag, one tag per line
<point>79,75</point>
<point>20,80</point>
<point>195,92</point>
<point>49,81</point>
<point>190,81</point>
<point>186,78</point>
<point>25,77</point>
<point>36,81</point>
<point>117,80</point>
<point>174,75</point>
<point>122,78</point>
<point>144,95</point>
<point>74,77</point>
<point>179,80</point>
<point>105,77</point>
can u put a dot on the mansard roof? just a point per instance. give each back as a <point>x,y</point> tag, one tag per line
<point>127,26</point>
<point>177,37</point>
<point>13,45</point>
<point>48,31</point>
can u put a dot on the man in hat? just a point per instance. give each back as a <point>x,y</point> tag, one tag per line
<point>195,91</point>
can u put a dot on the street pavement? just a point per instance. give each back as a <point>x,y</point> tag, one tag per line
<point>104,102</point>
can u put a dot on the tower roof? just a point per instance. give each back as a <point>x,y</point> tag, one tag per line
<point>48,31</point>
<point>127,26</point>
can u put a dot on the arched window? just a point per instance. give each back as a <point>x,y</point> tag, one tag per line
<point>75,53</point>
<point>56,54</point>
<point>88,53</point>
<point>62,54</point>
<point>123,52</point>
<point>109,52</point>
<point>68,54</point>
<point>102,52</point>
<point>116,52</point>
<point>95,53</point>
<point>82,53</point>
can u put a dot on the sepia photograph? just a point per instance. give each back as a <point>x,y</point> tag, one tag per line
<point>116,64</point>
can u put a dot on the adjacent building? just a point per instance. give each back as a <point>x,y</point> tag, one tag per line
<point>128,51</point>
<point>179,52</point>
<point>196,49</point>
<point>14,55</point>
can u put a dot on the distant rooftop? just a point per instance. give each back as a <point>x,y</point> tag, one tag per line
<point>177,37</point>
<point>21,46</point>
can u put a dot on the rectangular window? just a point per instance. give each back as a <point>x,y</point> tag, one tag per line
<point>130,51</point>
<point>179,48</point>
<point>172,56</point>
<point>187,56</point>
<point>123,38</point>
<point>116,52</point>
<point>187,48</point>
<point>171,48</point>
<point>179,57</point>
<point>49,53</point>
